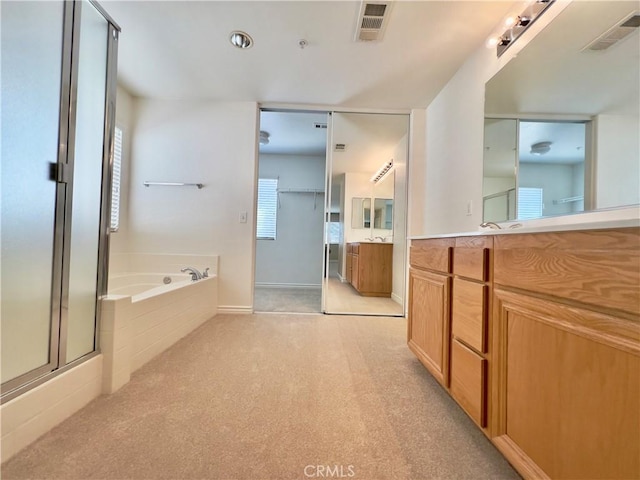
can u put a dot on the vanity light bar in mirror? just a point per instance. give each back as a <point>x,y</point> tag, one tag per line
<point>517,25</point>
<point>382,171</point>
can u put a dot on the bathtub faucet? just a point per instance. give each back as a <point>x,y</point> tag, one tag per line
<point>195,274</point>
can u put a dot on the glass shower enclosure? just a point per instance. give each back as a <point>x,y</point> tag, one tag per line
<point>58,105</point>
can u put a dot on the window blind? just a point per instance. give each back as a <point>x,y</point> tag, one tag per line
<point>267,208</point>
<point>115,179</point>
<point>529,203</point>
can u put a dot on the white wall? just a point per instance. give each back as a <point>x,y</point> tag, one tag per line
<point>400,186</point>
<point>617,160</point>
<point>454,141</point>
<point>556,182</point>
<point>213,143</point>
<point>295,256</point>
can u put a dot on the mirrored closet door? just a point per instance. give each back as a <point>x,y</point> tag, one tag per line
<point>365,214</point>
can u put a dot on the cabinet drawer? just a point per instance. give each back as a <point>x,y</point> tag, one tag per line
<point>471,257</point>
<point>469,313</point>
<point>468,381</point>
<point>432,254</point>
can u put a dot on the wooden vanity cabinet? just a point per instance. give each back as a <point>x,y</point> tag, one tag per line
<point>537,337</point>
<point>566,370</point>
<point>370,268</point>
<point>429,326</point>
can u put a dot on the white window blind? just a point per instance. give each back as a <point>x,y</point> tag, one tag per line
<point>267,208</point>
<point>335,232</point>
<point>529,203</point>
<point>115,179</point>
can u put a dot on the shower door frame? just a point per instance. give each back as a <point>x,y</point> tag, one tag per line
<point>62,174</point>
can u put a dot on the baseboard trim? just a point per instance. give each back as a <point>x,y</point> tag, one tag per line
<point>289,285</point>
<point>396,298</point>
<point>235,309</point>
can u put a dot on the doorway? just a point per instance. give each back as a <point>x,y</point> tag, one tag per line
<point>290,208</point>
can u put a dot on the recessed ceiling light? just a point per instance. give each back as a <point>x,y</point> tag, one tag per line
<point>240,39</point>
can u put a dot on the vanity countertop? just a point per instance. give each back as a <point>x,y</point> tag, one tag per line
<point>600,225</point>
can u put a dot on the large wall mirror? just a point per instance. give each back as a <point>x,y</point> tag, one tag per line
<point>365,271</point>
<point>562,131</point>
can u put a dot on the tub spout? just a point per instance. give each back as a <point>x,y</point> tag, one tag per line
<point>195,274</point>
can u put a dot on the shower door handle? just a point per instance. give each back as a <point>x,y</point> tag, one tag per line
<point>58,172</point>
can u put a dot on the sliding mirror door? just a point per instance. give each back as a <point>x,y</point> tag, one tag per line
<point>366,214</point>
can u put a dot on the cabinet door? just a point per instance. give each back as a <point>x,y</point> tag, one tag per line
<point>567,395</point>
<point>468,381</point>
<point>429,326</point>
<point>349,266</point>
<point>355,271</point>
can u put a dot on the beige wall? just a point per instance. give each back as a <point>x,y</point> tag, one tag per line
<point>447,158</point>
<point>213,143</point>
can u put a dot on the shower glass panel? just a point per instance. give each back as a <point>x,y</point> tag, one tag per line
<point>87,183</point>
<point>32,37</point>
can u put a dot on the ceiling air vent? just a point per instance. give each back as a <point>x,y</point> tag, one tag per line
<point>340,147</point>
<point>372,21</point>
<point>615,34</point>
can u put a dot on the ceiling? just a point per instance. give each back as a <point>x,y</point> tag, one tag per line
<point>294,133</point>
<point>181,50</point>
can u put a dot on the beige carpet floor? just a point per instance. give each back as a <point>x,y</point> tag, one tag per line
<point>272,397</point>
<point>290,300</point>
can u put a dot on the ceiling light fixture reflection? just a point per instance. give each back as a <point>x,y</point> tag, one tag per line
<point>540,148</point>
<point>382,171</point>
<point>240,39</point>
<point>264,137</point>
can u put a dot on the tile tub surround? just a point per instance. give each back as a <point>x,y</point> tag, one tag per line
<point>132,331</point>
<point>34,413</point>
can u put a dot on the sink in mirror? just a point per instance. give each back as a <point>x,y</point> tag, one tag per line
<point>562,130</point>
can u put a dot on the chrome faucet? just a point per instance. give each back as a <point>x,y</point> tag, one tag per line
<point>195,274</point>
<point>491,225</point>
<point>205,274</point>
<point>381,239</point>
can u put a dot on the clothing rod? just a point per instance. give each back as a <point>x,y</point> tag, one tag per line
<point>578,198</point>
<point>300,190</point>
<point>173,184</point>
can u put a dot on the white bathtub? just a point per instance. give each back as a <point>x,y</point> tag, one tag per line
<point>144,285</point>
<point>142,315</point>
